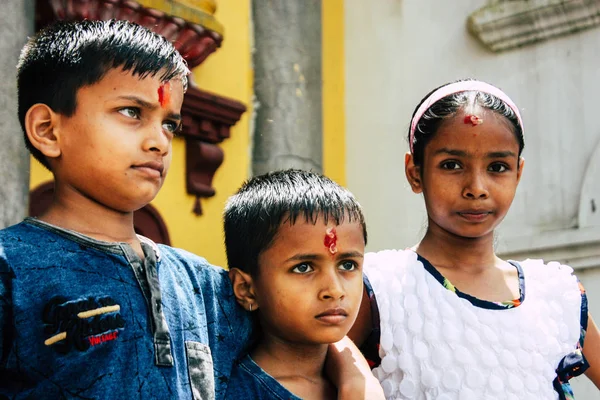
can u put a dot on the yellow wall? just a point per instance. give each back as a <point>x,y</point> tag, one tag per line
<point>228,72</point>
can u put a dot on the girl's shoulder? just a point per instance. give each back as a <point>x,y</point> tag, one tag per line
<point>551,271</point>
<point>387,264</point>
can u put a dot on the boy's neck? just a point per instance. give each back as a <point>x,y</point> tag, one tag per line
<point>298,367</point>
<point>91,219</point>
<point>451,251</point>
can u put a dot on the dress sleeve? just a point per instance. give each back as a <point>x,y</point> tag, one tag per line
<point>370,347</point>
<point>574,363</point>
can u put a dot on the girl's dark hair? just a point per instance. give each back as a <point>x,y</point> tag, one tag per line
<point>66,56</point>
<point>255,213</point>
<point>448,107</point>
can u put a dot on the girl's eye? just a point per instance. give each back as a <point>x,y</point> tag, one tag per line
<point>302,268</point>
<point>347,266</point>
<point>450,165</point>
<point>498,167</point>
<point>171,126</point>
<point>131,112</point>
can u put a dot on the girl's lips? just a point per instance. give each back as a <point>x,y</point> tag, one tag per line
<point>474,215</point>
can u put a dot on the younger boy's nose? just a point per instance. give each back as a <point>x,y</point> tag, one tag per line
<point>332,287</point>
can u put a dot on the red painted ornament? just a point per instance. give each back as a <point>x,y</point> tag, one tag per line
<point>330,240</point>
<point>473,120</point>
<point>164,94</point>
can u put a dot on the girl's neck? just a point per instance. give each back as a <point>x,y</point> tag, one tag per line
<point>298,367</point>
<point>446,250</point>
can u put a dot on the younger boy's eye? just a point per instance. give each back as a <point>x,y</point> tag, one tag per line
<point>450,165</point>
<point>302,268</point>
<point>131,112</point>
<point>347,266</point>
<point>498,167</point>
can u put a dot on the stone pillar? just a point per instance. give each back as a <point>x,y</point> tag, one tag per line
<point>287,83</point>
<point>16,24</point>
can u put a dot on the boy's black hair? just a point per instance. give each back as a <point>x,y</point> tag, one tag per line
<point>254,214</point>
<point>66,56</point>
<point>448,107</point>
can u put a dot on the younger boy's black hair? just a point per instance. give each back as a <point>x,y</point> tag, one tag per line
<point>66,56</point>
<point>254,214</point>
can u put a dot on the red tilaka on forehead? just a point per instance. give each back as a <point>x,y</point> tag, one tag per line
<point>331,240</point>
<point>164,94</point>
<point>473,120</point>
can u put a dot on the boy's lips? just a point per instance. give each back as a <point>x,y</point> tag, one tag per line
<point>333,316</point>
<point>153,168</point>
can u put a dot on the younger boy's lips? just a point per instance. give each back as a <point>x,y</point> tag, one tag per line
<point>333,316</point>
<point>151,167</point>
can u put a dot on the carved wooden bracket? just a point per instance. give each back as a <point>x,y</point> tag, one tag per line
<point>194,41</point>
<point>508,24</point>
<point>207,117</point>
<point>207,120</point>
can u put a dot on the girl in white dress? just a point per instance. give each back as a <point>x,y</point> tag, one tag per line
<point>448,319</point>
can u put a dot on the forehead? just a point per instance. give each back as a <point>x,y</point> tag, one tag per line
<point>117,82</point>
<point>495,133</point>
<point>309,235</point>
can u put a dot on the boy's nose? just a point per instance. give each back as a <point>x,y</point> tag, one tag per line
<point>157,141</point>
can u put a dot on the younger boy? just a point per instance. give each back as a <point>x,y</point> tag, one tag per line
<point>295,242</point>
<point>89,309</point>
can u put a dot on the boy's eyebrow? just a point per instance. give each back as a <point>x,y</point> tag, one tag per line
<point>310,256</point>
<point>139,101</point>
<point>145,104</point>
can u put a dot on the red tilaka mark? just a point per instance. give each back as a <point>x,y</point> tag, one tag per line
<point>331,240</point>
<point>473,120</point>
<point>107,337</point>
<point>164,94</point>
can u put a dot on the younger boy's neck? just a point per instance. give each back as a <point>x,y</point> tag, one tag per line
<point>299,368</point>
<point>451,251</point>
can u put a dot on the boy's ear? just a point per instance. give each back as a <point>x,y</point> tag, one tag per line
<point>413,173</point>
<point>40,125</point>
<point>243,289</point>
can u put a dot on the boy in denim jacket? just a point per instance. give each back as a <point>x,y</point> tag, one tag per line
<point>89,309</point>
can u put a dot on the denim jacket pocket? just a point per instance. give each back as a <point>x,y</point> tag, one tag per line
<point>200,370</point>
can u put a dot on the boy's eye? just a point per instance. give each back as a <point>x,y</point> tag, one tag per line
<point>347,266</point>
<point>450,165</point>
<point>131,112</point>
<point>171,126</point>
<point>302,268</point>
<point>498,167</point>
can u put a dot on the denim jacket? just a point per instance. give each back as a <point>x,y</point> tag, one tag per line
<point>82,318</point>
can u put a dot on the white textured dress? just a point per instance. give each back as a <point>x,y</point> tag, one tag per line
<point>437,345</point>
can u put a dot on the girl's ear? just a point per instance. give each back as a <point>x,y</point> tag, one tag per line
<point>520,169</point>
<point>41,128</point>
<point>413,173</point>
<point>243,289</point>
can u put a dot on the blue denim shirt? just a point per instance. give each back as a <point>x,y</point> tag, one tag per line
<point>82,318</point>
<point>250,382</point>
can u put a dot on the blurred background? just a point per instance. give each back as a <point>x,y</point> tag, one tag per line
<point>330,86</point>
